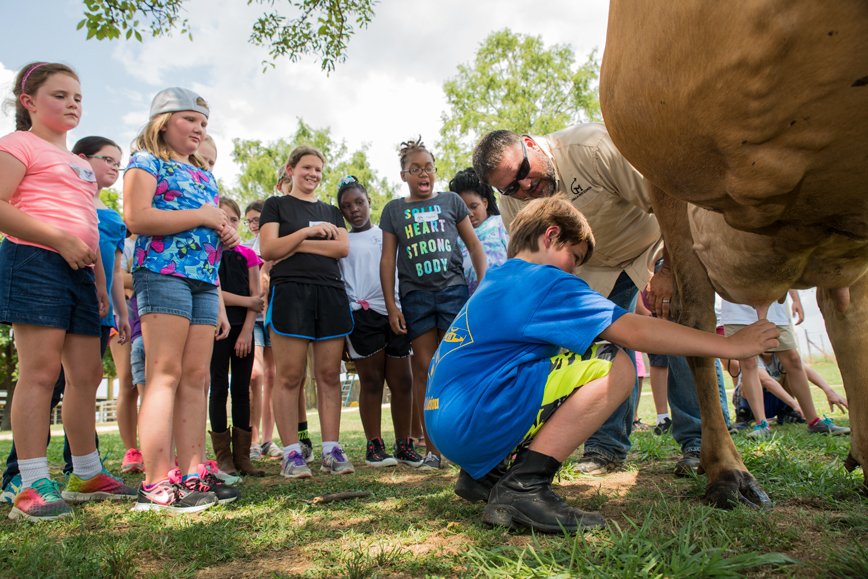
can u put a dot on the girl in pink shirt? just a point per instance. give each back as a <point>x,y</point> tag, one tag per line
<point>50,290</point>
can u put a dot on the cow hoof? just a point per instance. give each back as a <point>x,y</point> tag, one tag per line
<point>726,495</point>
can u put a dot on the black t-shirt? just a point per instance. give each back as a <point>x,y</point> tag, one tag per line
<point>293,214</point>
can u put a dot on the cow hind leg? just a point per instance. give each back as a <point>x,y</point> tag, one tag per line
<point>729,481</point>
<point>850,341</point>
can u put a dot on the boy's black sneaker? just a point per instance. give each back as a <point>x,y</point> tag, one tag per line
<point>743,419</point>
<point>406,454</point>
<point>790,416</point>
<point>377,455</point>
<point>663,427</point>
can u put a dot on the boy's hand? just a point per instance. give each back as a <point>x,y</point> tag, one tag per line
<point>836,399</point>
<point>257,304</point>
<point>754,339</point>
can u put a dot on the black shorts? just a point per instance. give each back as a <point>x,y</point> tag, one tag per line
<point>372,333</point>
<point>312,312</point>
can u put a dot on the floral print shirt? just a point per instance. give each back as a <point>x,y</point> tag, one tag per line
<point>195,253</point>
<point>494,239</point>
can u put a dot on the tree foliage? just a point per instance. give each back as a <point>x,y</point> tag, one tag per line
<point>260,162</point>
<point>515,82</point>
<point>319,27</point>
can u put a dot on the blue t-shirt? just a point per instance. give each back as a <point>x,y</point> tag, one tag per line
<point>486,380</point>
<point>112,232</point>
<point>194,253</point>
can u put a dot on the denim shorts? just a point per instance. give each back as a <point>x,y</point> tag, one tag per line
<point>261,336</point>
<point>156,293</point>
<point>137,360</point>
<point>37,287</point>
<point>425,310</point>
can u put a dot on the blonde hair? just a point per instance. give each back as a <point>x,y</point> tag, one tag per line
<point>540,214</point>
<point>151,139</point>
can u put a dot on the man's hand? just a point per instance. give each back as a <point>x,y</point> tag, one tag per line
<point>661,288</point>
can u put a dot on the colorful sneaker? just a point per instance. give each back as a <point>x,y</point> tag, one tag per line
<point>663,427</point>
<point>336,462</point>
<point>132,461</point>
<point>227,478</point>
<point>638,425</point>
<point>294,466</point>
<point>377,455</point>
<point>11,489</point>
<point>431,462</point>
<point>271,450</point>
<point>40,502</point>
<point>172,497</point>
<point>761,430</point>
<point>207,482</point>
<point>103,486</point>
<point>826,426</point>
<point>255,452</point>
<point>406,454</point>
<point>307,450</point>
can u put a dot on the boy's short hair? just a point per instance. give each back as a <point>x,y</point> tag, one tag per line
<point>539,215</point>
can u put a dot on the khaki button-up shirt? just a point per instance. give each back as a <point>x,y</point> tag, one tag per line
<point>613,196</point>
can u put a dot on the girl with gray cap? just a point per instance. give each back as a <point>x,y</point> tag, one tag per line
<point>171,202</point>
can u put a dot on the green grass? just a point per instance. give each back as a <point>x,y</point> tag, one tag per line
<point>414,526</point>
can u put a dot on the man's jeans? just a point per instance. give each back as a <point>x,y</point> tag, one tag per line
<point>612,439</point>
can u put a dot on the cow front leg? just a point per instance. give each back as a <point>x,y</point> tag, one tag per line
<point>850,341</point>
<point>729,481</point>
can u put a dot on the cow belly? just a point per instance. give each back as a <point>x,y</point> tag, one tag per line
<point>757,269</point>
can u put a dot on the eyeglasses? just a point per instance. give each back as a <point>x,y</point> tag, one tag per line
<point>523,170</point>
<point>109,161</point>
<point>417,170</point>
<point>254,221</point>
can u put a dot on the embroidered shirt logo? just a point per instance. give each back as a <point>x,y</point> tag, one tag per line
<point>577,190</point>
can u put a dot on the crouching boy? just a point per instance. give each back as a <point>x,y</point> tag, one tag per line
<point>498,385</point>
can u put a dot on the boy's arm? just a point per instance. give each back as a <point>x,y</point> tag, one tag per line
<point>798,310</point>
<point>832,397</point>
<point>474,247</point>
<point>777,390</point>
<point>664,337</point>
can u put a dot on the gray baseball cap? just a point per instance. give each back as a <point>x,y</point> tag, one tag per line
<point>176,99</point>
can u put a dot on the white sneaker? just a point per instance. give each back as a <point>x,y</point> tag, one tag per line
<point>431,462</point>
<point>255,452</point>
<point>271,450</point>
<point>336,462</point>
<point>295,467</point>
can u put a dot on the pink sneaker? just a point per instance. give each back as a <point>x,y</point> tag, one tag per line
<point>132,461</point>
<point>40,502</point>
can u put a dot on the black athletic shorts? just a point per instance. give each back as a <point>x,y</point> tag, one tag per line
<point>312,312</point>
<point>372,333</point>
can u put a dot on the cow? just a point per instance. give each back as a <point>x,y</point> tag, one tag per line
<point>750,118</point>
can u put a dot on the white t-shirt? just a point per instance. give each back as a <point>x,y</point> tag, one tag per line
<point>744,315</point>
<point>774,368</point>
<point>360,271</point>
<point>127,254</point>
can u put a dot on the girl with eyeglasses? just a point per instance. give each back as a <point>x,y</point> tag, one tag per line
<point>420,235</point>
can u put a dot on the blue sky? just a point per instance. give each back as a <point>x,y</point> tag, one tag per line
<point>389,88</point>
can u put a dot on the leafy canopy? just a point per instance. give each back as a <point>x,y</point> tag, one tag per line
<point>319,27</point>
<point>515,82</point>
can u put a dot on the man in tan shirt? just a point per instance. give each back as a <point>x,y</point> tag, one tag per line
<point>582,163</point>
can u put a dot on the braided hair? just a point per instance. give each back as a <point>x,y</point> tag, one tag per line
<point>409,147</point>
<point>347,183</point>
<point>466,181</point>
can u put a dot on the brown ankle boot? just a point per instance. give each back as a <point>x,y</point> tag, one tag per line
<point>241,452</point>
<point>222,442</point>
